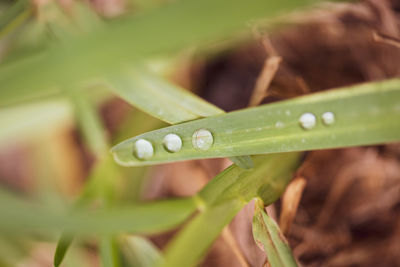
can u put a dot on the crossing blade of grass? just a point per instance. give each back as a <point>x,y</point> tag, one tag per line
<point>104,175</point>
<point>267,180</point>
<point>140,252</point>
<point>62,247</point>
<point>109,252</point>
<point>194,240</point>
<point>88,121</point>
<point>145,218</point>
<point>164,100</point>
<point>100,186</point>
<point>223,197</point>
<point>159,98</point>
<point>362,115</point>
<point>270,239</point>
<point>163,30</point>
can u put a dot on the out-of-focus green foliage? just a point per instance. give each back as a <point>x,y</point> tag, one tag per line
<point>146,218</point>
<point>109,252</point>
<point>115,46</point>
<point>139,252</point>
<point>62,246</point>
<point>16,14</point>
<point>159,98</point>
<point>64,55</point>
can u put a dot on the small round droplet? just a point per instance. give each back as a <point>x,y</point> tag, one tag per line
<point>202,139</point>
<point>172,143</point>
<point>143,149</point>
<point>308,121</point>
<point>328,118</point>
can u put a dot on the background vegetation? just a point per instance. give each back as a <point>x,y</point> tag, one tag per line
<point>81,82</point>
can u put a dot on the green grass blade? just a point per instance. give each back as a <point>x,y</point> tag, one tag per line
<point>140,252</point>
<point>243,162</point>
<point>89,122</point>
<point>193,241</point>
<point>159,98</point>
<point>62,247</point>
<point>364,114</point>
<point>164,100</point>
<point>100,186</point>
<point>223,197</point>
<point>100,183</point>
<point>108,50</point>
<point>270,239</point>
<point>266,180</point>
<point>146,218</point>
<point>14,16</point>
<point>109,252</point>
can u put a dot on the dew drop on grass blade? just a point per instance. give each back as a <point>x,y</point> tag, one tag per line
<point>170,103</point>
<point>359,115</point>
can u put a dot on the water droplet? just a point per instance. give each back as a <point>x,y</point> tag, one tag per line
<point>308,121</point>
<point>143,149</point>
<point>202,139</point>
<point>172,143</point>
<point>328,118</point>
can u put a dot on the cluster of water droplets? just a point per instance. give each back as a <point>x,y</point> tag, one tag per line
<point>309,120</point>
<point>202,139</point>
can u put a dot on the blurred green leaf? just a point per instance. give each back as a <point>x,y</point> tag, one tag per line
<point>122,41</point>
<point>13,248</point>
<point>159,98</point>
<point>27,122</point>
<point>102,182</point>
<point>89,122</point>
<point>191,244</point>
<point>147,218</point>
<point>363,114</point>
<point>62,247</point>
<point>140,252</point>
<point>14,16</point>
<point>270,239</point>
<point>104,175</point>
<point>109,252</point>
